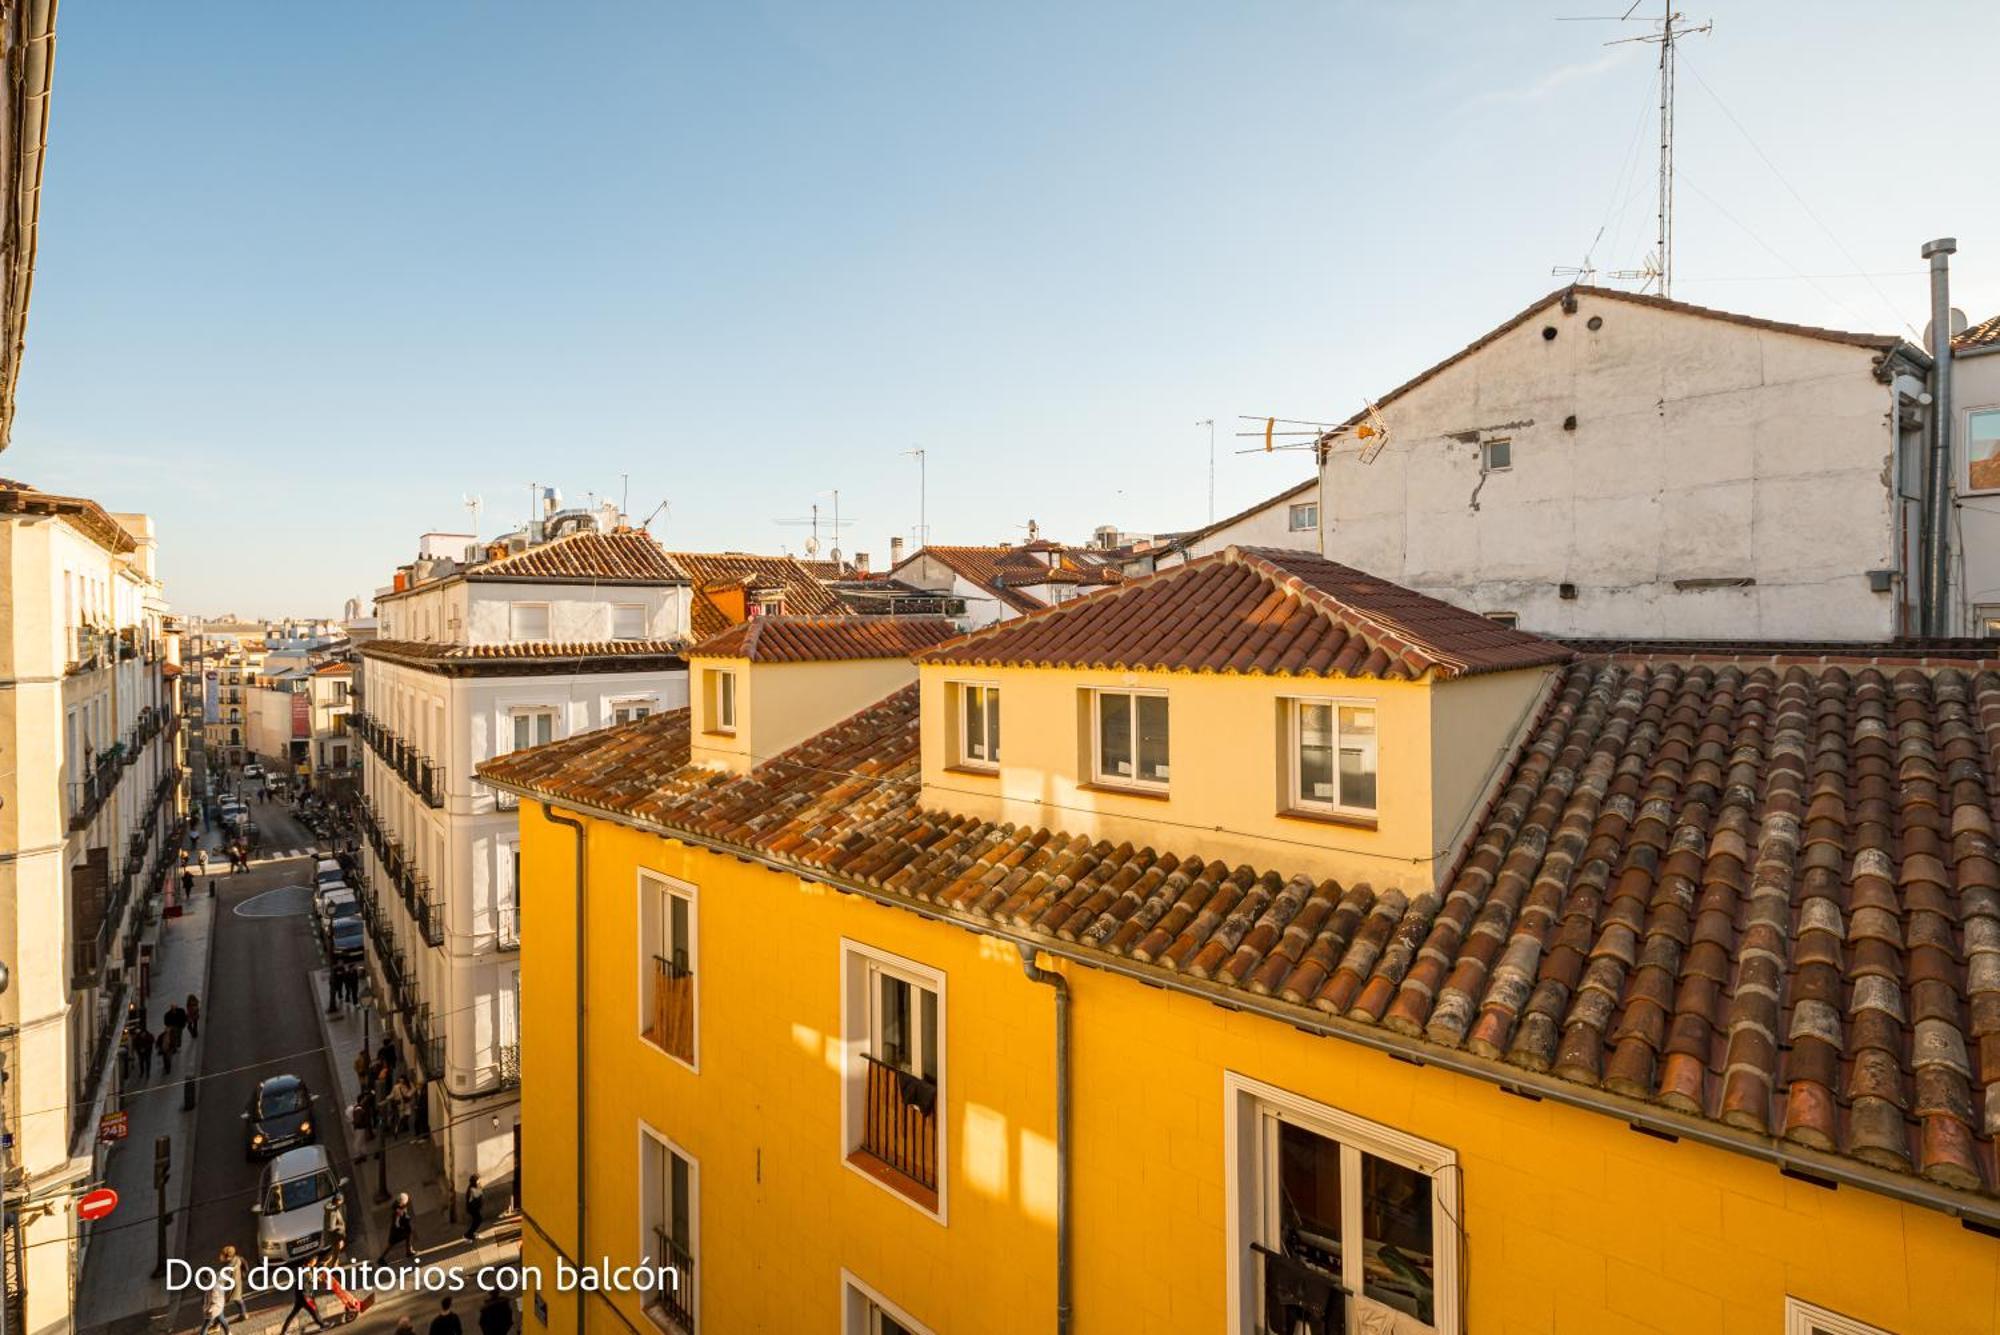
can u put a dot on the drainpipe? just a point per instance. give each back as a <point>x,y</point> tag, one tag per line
<point>1937,508</point>
<point>582,1049</point>
<point>1037,974</point>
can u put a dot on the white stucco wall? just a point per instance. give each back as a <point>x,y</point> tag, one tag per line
<point>1268,525</point>
<point>476,612</point>
<point>1976,573</point>
<point>1703,450</point>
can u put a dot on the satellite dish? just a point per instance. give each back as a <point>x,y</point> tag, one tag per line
<point>812,548</point>
<point>1959,324</point>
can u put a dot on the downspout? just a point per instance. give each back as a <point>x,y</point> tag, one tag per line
<point>1937,501</point>
<point>1037,974</point>
<point>582,1048</point>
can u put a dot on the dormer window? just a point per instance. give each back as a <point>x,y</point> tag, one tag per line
<point>1130,738</point>
<point>1332,748</point>
<point>978,725</point>
<point>719,687</point>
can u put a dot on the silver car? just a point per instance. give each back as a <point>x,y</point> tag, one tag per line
<point>291,1203</point>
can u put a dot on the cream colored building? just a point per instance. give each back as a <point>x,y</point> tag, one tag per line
<point>88,801</point>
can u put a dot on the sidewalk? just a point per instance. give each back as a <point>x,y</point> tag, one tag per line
<point>118,1281</point>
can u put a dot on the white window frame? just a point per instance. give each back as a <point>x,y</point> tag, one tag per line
<point>649,703</point>
<point>648,1132</point>
<point>520,712</point>
<point>1302,517</point>
<point>1486,450</point>
<point>1965,434</point>
<point>1804,1318</point>
<point>1511,620</point>
<point>857,1296</point>
<point>1246,1104</point>
<point>988,710</point>
<point>514,611</point>
<point>1296,799</point>
<point>669,888</point>
<point>632,609</point>
<point>859,964</point>
<point>719,691</point>
<point>1110,779</point>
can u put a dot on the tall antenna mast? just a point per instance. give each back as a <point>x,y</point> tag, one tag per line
<point>473,504</point>
<point>923,497</point>
<point>1209,422</point>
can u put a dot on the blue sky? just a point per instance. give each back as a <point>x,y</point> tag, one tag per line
<point>311,274</point>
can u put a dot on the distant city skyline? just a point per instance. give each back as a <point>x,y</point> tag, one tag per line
<point>306,283</point>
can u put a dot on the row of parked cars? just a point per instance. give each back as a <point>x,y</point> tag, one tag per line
<point>299,1178</point>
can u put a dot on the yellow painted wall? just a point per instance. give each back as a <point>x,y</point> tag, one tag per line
<point>779,705</point>
<point>1220,729</point>
<point>1573,1222</point>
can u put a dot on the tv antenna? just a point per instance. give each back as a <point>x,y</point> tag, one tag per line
<point>833,525</point>
<point>1673,25</point>
<point>473,503</point>
<point>923,534</point>
<point>1209,422</point>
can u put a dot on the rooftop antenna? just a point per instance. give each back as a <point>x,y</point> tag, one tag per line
<point>624,496</point>
<point>472,503</point>
<point>1209,422</point>
<point>923,496</point>
<point>1659,266</point>
<point>665,507</point>
<point>812,545</point>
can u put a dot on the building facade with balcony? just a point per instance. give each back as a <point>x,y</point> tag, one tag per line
<point>89,802</point>
<point>562,638</point>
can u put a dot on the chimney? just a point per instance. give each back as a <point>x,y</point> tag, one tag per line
<point>861,563</point>
<point>1936,535</point>
<point>895,552</point>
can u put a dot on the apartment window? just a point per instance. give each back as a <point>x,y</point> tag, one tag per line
<point>893,1021</point>
<point>528,622</point>
<point>1130,736</point>
<point>1982,449</point>
<point>1496,456</point>
<point>1508,619</point>
<point>1803,1318</point>
<point>1304,517</point>
<point>631,711</point>
<point>507,899</point>
<point>866,1312</point>
<point>1986,621</point>
<point>667,1014</point>
<point>1333,756</point>
<point>720,687</point>
<point>979,725</point>
<point>1332,1216</point>
<point>534,727</point>
<point>628,621</point>
<point>668,1201</point>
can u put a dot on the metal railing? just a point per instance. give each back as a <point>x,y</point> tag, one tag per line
<point>899,1121</point>
<point>507,1059</point>
<point>417,771</point>
<point>674,1299</point>
<point>430,918</point>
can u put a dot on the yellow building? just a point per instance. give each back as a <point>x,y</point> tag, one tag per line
<point>1261,946</point>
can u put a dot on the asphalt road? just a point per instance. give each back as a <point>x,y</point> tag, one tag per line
<point>258,1021</point>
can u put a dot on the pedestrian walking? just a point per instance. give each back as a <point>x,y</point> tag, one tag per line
<point>124,1056</point>
<point>303,1289</point>
<point>201,860</point>
<point>187,881</point>
<point>402,1230</point>
<point>176,1022</point>
<point>446,1322</point>
<point>333,1226</point>
<point>400,1099</point>
<point>167,1042</point>
<point>385,1051</point>
<point>142,1048</point>
<point>193,1012</point>
<point>364,1112</point>
<point>361,1065</point>
<point>212,1300</point>
<point>475,1206</point>
<point>496,1314</point>
<point>237,1270</point>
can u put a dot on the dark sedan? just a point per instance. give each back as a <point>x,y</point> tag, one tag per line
<point>279,1116</point>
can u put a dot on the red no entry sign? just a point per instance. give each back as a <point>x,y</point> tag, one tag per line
<point>94,1205</point>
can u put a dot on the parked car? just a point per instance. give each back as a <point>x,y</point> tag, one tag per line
<point>336,902</point>
<point>253,771</point>
<point>345,940</point>
<point>291,1203</point>
<point>279,1116</point>
<point>327,871</point>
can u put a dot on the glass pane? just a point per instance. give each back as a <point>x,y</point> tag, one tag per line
<point>545,729</point>
<point>975,725</point>
<point>1316,753</point>
<point>930,1033</point>
<point>680,1231</point>
<point>1114,735</point>
<point>992,724</point>
<point>1153,738</point>
<point>521,733</point>
<point>653,1189</point>
<point>1983,449</point>
<point>1309,1198</point>
<point>678,943</point>
<point>892,1019</point>
<point>1357,757</point>
<point>1398,1256</point>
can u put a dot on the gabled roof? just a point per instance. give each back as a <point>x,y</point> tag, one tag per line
<point>528,657</point>
<point>18,498</point>
<point>1757,902</point>
<point>624,556</point>
<point>1258,610</point>
<point>1982,337</point>
<point>804,595</point>
<point>1008,572</point>
<point>789,639</point>
<point>1284,497</point>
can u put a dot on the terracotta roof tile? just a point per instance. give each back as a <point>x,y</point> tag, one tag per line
<point>425,651</point>
<point>19,498</point>
<point>626,555</point>
<point>1260,610</point>
<point>1765,896</point>
<point>1005,572</point>
<point>789,639</point>
<point>1979,338</point>
<point>804,595</point>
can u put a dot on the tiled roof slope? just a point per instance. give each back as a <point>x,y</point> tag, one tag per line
<point>1262,610</point>
<point>804,595</point>
<point>626,556</point>
<point>1762,897</point>
<point>1004,571</point>
<point>1980,337</point>
<point>788,639</point>
<point>428,651</point>
<point>19,498</point>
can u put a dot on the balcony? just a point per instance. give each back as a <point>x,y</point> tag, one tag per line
<point>670,1010</point>
<point>88,795</point>
<point>430,917</point>
<point>417,771</point>
<point>672,1299</point>
<point>507,1058</point>
<point>899,1127</point>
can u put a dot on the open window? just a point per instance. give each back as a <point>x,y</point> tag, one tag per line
<point>1333,757</point>
<point>1336,1223</point>
<point>978,726</point>
<point>719,699</point>
<point>1129,738</point>
<point>668,1225</point>
<point>893,1022</point>
<point>667,1003</point>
